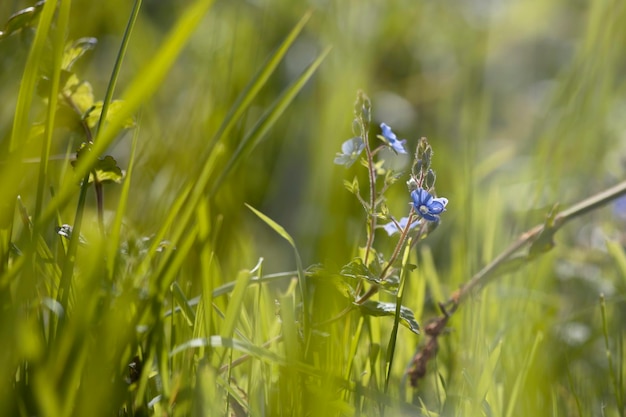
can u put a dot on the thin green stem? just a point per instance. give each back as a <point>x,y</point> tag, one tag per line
<point>394,331</point>
<point>108,97</point>
<point>372,205</point>
<point>70,259</point>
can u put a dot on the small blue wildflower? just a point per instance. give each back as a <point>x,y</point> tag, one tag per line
<point>350,152</point>
<point>392,139</point>
<point>427,206</point>
<point>619,208</point>
<point>391,227</point>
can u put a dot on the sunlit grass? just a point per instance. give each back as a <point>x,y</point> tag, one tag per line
<point>183,301</point>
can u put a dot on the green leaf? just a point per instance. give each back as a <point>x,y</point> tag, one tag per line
<point>356,269</point>
<point>379,309</point>
<point>352,186</point>
<point>80,95</point>
<point>105,169</point>
<point>92,116</point>
<point>21,19</point>
<point>75,50</point>
<point>545,241</point>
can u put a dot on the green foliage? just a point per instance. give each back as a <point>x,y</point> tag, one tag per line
<point>134,282</point>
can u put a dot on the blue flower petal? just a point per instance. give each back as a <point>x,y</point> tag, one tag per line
<point>351,150</point>
<point>388,133</point>
<point>420,197</point>
<point>427,206</point>
<point>392,139</point>
<point>436,207</point>
<point>391,227</point>
<point>398,146</point>
<point>431,217</point>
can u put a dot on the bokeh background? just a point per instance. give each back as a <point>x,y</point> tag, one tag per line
<point>523,102</point>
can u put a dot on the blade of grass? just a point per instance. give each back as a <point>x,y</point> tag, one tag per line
<point>267,120</point>
<point>521,377</point>
<point>230,286</point>
<point>13,169</point>
<point>143,86</point>
<point>257,352</point>
<point>234,306</point>
<point>255,85</point>
<point>609,358</point>
<point>30,75</point>
<point>108,97</point>
<point>283,233</point>
<point>202,180</point>
<point>57,55</point>
<point>113,240</point>
<point>396,320</point>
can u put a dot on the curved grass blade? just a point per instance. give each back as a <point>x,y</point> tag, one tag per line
<point>267,120</point>
<point>29,80</point>
<point>397,317</point>
<point>283,233</point>
<point>118,64</point>
<point>257,82</point>
<point>58,50</point>
<point>198,189</point>
<point>143,86</point>
<point>113,240</point>
<point>260,353</point>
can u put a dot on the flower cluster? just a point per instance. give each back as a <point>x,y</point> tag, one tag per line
<point>428,206</point>
<point>425,205</point>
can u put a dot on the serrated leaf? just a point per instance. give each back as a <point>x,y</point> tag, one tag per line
<point>75,50</point>
<point>92,116</point>
<point>357,269</point>
<point>379,309</point>
<point>105,169</point>
<point>391,284</point>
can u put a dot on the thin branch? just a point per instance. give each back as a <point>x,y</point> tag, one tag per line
<point>482,277</point>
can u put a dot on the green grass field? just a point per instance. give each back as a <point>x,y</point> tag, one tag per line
<point>178,236</point>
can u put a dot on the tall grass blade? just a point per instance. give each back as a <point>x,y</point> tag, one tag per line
<point>267,120</point>
<point>391,348</point>
<point>521,377</point>
<point>143,86</point>
<point>257,82</point>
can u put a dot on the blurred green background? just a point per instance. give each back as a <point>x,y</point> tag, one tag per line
<point>523,102</point>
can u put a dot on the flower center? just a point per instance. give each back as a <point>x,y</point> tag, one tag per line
<point>423,209</point>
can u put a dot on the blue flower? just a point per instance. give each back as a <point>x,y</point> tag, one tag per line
<point>392,139</point>
<point>350,152</point>
<point>391,227</point>
<point>619,208</point>
<point>427,206</point>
